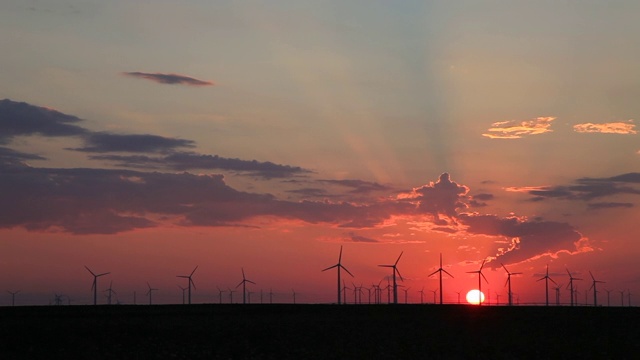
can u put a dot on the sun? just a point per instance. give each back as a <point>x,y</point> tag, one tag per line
<point>475,297</point>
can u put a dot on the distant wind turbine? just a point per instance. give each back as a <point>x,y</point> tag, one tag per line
<point>13,296</point>
<point>150,293</point>
<point>406,290</point>
<point>339,266</point>
<point>94,285</point>
<point>440,271</point>
<point>190,282</point>
<point>508,283</point>
<point>231,295</point>
<point>184,289</point>
<point>244,287</point>
<point>395,271</point>
<point>557,289</point>
<point>110,292</point>
<point>595,291</point>
<point>435,292</point>
<point>421,295</point>
<point>480,277</point>
<point>546,279</point>
<point>220,291</point>
<point>571,279</point>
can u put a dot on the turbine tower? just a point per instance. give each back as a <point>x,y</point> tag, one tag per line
<point>94,285</point>
<point>508,283</point>
<point>110,292</point>
<point>595,291</point>
<point>150,292</point>
<point>190,282</point>
<point>480,277</point>
<point>339,266</point>
<point>244,287</point>
<point>571,279</point>
<point>546,279</point>
<point>395,284</point>
<point>440,271</point>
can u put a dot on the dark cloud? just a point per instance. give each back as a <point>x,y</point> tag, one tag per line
<point>101,142</point>
<point>483,197</point>
<point>526,239</point>
<point>19,118</point>
<point>609,205</point>
<point>309,192</point>
<point>191,161</point>
<point>358,186</point>
<point>13,157</point>
<point>171,79</point>
<point>444,197</point>
<point>590,188</point>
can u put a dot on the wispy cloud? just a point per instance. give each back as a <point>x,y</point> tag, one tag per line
<point>171,79</point>
<point>105,142</point>
<point>607,128</point>
<point>515,129</point>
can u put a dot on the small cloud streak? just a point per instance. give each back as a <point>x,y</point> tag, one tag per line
<point>514,129</point>
<point>624,128</point>
<point>170,79</point>
<point>144,143</point>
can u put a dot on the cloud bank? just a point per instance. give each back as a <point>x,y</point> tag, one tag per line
<point>170,79</point>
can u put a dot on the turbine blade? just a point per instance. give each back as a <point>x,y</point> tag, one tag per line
<point>192,283</point>
<point>340,256</point>
<point>506,282</point>
<point>386,265</point>
<point>331,267</point>
<point>194,270</point>
<point>485,279</point>
<point>553,281</point>
<point>89,270</point>
<point>399,256</point>
<point>505,269</point>
<point>348,272</point>
<point>251,282</point>
<point>398,271</point>
<point>446,272</point>
<point>434,272</point>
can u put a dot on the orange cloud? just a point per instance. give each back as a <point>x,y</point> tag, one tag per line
<point>607,128</point>
<point>517,129</point>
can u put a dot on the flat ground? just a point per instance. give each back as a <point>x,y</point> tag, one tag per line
<point>319,332</point>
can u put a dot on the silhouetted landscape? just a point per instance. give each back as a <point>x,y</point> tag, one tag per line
<point>279,331</point>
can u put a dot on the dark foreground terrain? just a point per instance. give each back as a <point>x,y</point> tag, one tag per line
<point>318,332</point>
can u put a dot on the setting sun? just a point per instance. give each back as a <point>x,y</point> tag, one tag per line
<point>475,297</point>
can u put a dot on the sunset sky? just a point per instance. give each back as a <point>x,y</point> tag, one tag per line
<point>143,138</point>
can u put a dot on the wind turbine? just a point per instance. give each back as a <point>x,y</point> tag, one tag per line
<point>608,297</point>
<point>294,295</point>
<point>508,283</point>
<point>571,279</point>
<point>220,291</point>
<point>13,296</point>
<point>458,292</point>
<point>421,295</point>
<point>546,279</point>
<point>270,296</point>
<point>150,292</point>
<point>190,282</point>
<point>231,295</point>
<point>480,277</point>
<point>110,292</point>
<point>595,292</point>
<point>94,285</point>
<point>557,289</point>
<point>440,271</point>
<point>183,295</point>
<point>406,290</point>
<point>344,291</point>
<point>339,266</point>
<point>244,287</point>
<point>395,284</point>
<point>435,292</point>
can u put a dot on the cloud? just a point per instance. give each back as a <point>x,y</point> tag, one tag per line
<point>13,157</point>
<point>607,128</point>
<point>358,186</point>
<point>527,239</point>
<point>586,188</point>
<point>358,238</point>
<point>444,197</point>
<point>190,161</point>
<point>105,142</point>
<point>517,129</point>
<point>19,118</point>
<point>609,205</point>
<point>170,79</point>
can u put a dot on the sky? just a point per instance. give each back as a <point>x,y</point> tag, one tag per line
<point>145,138</point>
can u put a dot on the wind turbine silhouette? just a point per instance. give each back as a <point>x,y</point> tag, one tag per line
<point>570,285</point>
<point>557,289</point>
<point>406,290</point>
<point>220,291</point>
<point>150,292</point>
<point>595,291</point>
<point>94,285</point>
<point>440,271</point>
<point>435,292</point>
<point>508,283</point>
<point>270,296</point>
<point>546,279</point>
<point>294,295</point>
<point>190,281</point>
<point>110,292</point>
<point>339,266</point>
<point>231,295</point>
<point>421,295</point>
<point>183,295</point>
<point>395,284</point>
<point>480,277</point>
<point>13,296</point>
<point>244,287</point>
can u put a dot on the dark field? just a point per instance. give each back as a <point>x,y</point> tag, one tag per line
<point>318,332</point>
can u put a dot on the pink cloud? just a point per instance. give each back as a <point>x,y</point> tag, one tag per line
<point>607,128</point>
<point>514,129</point>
